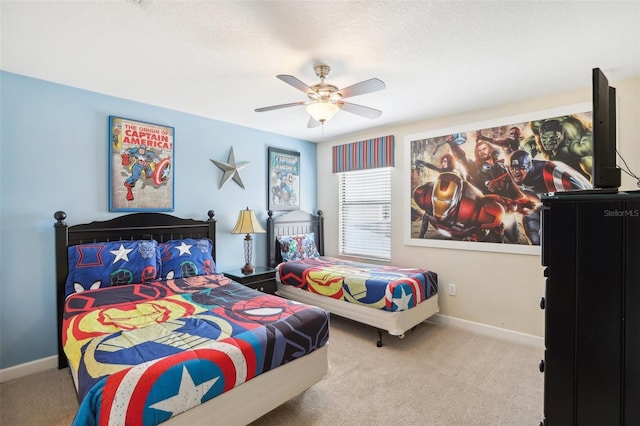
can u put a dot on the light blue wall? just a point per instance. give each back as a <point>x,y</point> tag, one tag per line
<point>54,156</point>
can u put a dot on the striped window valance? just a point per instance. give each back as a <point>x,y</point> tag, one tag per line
<point>369,154</point>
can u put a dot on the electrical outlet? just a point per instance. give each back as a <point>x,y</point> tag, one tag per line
<point>452,289</point>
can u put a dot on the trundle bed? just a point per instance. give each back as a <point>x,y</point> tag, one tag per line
<point>150,330</point>
<point>389,298</point>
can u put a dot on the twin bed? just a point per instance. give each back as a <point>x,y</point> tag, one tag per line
<point>152,334</point>
<point>388,298</point>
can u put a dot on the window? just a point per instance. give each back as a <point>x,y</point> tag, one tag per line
<point>365,213</point>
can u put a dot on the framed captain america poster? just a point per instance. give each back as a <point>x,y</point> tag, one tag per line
<point>479,186</point>
<point>141,157</point>
<point>283,171</point>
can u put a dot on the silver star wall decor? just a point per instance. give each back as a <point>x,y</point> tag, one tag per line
<point>231,169</point>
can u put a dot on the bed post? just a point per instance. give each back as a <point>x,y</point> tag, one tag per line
<point>320,237</point>
<point>212,233</point>
<point>271,257</point>
<point>62,265</point>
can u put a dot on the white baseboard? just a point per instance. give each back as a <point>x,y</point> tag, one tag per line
<point>489,330</point>
<point>21,370</point>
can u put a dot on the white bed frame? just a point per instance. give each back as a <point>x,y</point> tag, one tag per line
<point>395,323</point>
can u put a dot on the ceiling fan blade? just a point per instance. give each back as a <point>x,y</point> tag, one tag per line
<point>291,80</point>
<point>367,86</point>
<point>270,108</point>
<point>313,123</point>
<point>361,110</point>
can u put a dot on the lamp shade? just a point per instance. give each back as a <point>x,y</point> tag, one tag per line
<point>322,111</point>
<point>247,223</point>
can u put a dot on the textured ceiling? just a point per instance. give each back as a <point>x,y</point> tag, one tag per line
<point>219,59</point>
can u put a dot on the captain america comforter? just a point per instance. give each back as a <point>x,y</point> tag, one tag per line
<point>146,352</point>
<point>389,288</point>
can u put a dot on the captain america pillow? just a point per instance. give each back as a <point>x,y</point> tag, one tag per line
<point>98,265</point>
<point>186,258</point>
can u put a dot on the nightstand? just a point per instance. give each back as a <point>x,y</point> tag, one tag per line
<point>262,279</point>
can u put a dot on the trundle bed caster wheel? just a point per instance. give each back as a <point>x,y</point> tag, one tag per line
<point>401,336</point>
<point>379,343</point>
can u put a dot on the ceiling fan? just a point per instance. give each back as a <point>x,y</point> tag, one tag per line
<point>324,100</point>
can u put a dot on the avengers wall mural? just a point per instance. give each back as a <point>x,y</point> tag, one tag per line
<point>484,184</point>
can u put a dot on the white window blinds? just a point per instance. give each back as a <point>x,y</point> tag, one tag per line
<point>365,213</point>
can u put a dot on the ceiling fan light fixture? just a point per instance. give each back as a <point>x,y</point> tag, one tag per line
<point>324,100</point>
<point>322,111</point>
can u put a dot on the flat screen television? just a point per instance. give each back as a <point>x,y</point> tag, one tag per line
<point>605,173</point>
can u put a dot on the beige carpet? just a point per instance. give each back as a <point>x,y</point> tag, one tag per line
<point>436,375</point>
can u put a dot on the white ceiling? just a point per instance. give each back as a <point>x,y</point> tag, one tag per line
<point>219,59</point>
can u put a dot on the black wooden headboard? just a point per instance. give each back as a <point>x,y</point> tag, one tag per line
<point>135,226</point>
<point>292,223</point>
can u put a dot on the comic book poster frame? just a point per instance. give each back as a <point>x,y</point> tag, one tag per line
<point>283,172</point>
<point>411,239</point>
<point>141,180</point>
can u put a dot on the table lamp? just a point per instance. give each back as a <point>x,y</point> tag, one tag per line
<point>248,224</point>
